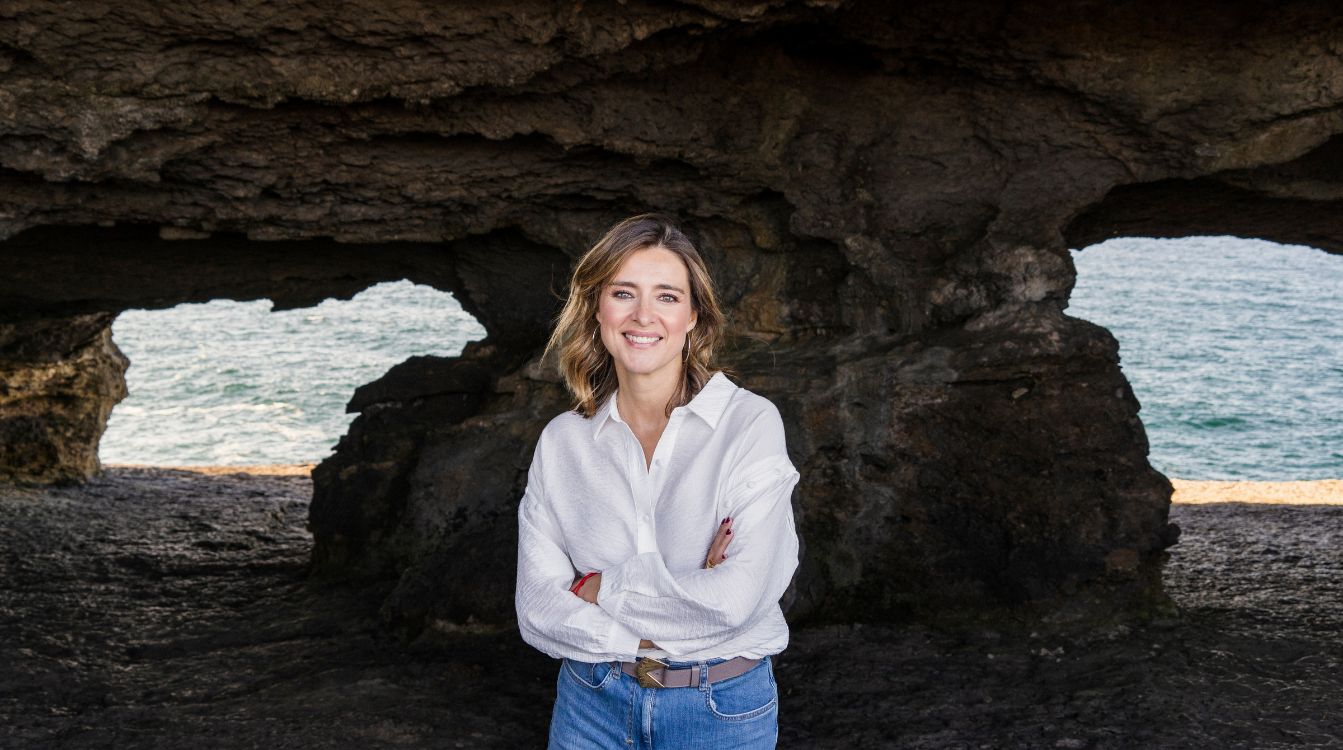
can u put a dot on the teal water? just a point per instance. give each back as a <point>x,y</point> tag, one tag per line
<point>233,383</point>
<point>1234,348</point>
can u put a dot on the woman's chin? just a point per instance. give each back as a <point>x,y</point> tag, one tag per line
<point>644,366</point>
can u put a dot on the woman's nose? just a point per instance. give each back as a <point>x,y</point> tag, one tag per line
<point>643,313</point>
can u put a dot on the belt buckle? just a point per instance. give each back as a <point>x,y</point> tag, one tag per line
<point>643,671</point>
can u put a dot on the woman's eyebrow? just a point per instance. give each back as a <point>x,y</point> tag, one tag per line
<point>633,285</point>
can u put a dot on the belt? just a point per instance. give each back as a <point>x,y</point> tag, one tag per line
<point>653,673</point>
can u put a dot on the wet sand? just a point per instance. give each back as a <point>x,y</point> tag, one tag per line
<point>171,609</point>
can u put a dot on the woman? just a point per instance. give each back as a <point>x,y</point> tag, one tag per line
<point>660,460</point>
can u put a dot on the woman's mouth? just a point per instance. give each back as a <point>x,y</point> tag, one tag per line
<point>642,340</point>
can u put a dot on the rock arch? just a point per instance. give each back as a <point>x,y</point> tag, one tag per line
<point>65,284</point>
<point>887,194</point>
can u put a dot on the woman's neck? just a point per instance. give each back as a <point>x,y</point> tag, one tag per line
<point>643,402</point>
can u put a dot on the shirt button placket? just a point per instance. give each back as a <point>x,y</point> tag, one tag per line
<point>643,511</point>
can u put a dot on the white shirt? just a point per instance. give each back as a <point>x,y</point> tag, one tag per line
<point>592,503</point>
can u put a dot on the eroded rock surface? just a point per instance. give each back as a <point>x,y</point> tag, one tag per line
<point>59,379</point>
<point>887,196</point>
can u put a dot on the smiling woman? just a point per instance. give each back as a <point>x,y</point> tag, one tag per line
<point>232,383</point>
<point>661,466</point>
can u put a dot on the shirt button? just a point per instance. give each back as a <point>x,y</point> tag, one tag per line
<point>643,519</point>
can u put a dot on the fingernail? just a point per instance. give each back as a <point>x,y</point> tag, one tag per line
<point>724,521</point>
<point>729,531</point>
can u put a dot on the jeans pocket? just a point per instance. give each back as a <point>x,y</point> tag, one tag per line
<point>746,696</point>
<point>590,675</point>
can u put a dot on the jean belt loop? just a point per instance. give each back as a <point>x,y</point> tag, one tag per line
<point>703,675</point>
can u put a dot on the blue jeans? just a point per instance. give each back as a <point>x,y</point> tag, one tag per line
<point>599,706</point>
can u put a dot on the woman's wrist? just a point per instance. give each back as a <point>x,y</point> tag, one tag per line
<point>579,583</point>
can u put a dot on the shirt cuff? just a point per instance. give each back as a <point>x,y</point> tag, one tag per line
<point>615,581</point>
<point>622,641</point>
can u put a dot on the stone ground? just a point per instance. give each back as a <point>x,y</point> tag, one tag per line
<point>156,608</point>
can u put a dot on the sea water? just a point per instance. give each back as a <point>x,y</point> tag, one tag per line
<point>231,383</point>
<point>1234,349</point>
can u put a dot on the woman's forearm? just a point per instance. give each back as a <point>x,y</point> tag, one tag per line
<point>717,554</point>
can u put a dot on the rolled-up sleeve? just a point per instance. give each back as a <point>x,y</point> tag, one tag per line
<point>550,617</point>
<point>689,611</point>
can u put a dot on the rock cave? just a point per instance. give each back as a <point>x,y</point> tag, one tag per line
<point>887,197</point>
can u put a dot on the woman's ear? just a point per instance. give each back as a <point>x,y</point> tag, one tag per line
<point>694,318</point>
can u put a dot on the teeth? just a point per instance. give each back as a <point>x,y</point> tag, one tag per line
<point>641,339</point>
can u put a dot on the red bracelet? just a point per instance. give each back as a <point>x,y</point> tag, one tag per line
<point>581,581</point>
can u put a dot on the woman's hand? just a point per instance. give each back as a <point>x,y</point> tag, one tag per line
<point>718,547</point>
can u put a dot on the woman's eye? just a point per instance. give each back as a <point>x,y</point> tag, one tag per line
<point>621,294</point>
<point>669,298</point>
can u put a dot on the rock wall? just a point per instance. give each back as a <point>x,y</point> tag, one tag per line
<point>887,196</point>
<point>59,379</point>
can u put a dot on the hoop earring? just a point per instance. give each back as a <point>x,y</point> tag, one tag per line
<point>685,356</point>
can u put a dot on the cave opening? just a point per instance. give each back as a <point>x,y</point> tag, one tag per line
<point>65,285</point>
<point>229,383</point>
<point>1232,347</point>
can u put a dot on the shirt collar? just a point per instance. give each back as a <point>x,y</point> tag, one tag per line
<point>708,404</point>
<point>607,411</point>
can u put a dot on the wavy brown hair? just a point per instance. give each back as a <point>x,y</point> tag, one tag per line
<point>584,363</point>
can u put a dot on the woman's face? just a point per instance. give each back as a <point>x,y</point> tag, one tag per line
<point>644,313</point>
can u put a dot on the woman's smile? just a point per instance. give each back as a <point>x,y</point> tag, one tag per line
<point>642,340</point>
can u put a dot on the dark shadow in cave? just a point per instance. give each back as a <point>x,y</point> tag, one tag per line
<point>1293,203</point>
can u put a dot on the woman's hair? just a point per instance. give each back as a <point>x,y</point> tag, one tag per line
<point>584,362</point>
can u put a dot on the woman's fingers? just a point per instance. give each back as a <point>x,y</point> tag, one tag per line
<point>718,547</point>
<point>720,540</point>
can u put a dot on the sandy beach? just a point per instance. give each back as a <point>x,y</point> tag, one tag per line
<point>260,470</point>
<point>1187,491</point>
<point>1318,492</point>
